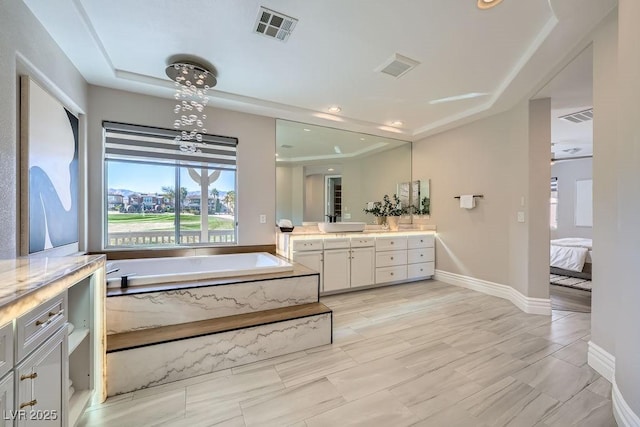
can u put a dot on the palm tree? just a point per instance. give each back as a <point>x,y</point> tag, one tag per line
<point>171,194</point>
<point>215,194</point>
<point>230,201</point>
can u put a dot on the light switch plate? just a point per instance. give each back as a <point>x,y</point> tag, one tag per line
<point>520,216</point>
<point>263,219</point>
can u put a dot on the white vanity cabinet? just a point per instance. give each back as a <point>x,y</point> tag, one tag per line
<point>41,384</point>
<point>40,356</point>
<point>6,400</point>
<point>355,260</point>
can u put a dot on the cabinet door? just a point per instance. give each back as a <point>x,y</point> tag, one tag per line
<point>362,266</point>
<point>7,413</point>
<point>311,259</point>
<point>41,383</point>
<point>336,270</point>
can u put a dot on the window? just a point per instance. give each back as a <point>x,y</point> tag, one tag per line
<point>157,195</point>
<point>553,214</point>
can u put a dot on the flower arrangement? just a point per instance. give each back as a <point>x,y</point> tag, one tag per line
<point>375,209</point>
<point>392,208</point>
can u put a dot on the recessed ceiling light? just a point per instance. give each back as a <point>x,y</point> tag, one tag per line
<point>397,123</point>
<point>307,130</point>
<point>488,4</point>
<point>335,109</point>
<point>361,139</point>
<point>337,149</point>
<point>331,169</point>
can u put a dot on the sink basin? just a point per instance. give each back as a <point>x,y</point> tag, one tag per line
<point>341,227</point>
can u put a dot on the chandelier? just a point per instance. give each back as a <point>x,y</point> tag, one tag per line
<point>192,82</point>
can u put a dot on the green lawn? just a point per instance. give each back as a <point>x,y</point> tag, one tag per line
<point>157,221</point>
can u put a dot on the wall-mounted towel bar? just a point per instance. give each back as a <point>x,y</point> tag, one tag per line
<point>475,195</point>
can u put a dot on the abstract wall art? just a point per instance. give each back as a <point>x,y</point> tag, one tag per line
<point>49,171</point>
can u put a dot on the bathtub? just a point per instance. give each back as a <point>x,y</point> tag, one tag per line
<point>146,271</point>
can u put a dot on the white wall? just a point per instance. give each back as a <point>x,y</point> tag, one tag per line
<point>568,172</point>
<point>26,48</point>
<point>283,192</point>
<point>489,157</point>
<point>627,226</point>
<point>314,198</point>
<point>256,157</point>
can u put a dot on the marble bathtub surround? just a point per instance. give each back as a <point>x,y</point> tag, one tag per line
<point>154,309</point>
<point>435,381</point>
<point>25,282</point>
<point>148,366</point>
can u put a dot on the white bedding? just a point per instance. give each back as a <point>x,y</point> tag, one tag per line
<point>570,253</point>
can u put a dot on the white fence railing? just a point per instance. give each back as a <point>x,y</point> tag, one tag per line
<point>150,238</point>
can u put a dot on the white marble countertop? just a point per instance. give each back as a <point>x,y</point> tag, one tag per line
<point>26,282</point>
<point>313,232</point>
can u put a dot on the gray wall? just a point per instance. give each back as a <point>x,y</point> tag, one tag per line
<point>256,157</point>
<point>568,172</point>
<point>26,48</point>
<point>627,227</point>
<point>493,157</point>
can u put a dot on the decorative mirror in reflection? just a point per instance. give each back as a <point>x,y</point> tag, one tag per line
<point>324,173</point>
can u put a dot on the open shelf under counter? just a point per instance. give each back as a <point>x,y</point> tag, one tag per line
<point>77,404</point>
<point>76,337</point>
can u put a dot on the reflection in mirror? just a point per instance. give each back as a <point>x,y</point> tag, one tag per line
<point>324,172</point>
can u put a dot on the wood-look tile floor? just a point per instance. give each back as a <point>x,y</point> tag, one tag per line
<point>423,354</point>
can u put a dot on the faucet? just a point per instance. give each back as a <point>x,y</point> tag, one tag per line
<point>332,218</point>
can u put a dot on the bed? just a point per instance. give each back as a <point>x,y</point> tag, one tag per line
<point>571,257</point>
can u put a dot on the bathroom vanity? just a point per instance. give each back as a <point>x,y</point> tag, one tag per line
<point>348,261</point>
<point>51,339</point>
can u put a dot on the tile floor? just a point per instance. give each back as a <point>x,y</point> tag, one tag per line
<point>423,354</point>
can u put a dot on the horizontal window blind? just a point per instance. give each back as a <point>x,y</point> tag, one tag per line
<point>144,144</point>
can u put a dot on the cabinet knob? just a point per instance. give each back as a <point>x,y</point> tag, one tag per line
<point>421,240</point>
<point>25,404</point>
<point>29,377</point>
<point>392,242</point>
<point>391,258</point>
<point>392,273</point>
<point>421,255</point>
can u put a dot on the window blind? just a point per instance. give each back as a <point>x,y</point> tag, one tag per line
<point>151,145</point>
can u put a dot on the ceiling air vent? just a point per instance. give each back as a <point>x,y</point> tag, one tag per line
<point>274,24</point>
<point>579,117</point>
<point>397,65</point>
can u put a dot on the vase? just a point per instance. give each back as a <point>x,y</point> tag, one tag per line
<point>380,220</point>
<point>393,222</point>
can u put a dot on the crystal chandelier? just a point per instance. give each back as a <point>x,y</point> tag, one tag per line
<point>192,82</point>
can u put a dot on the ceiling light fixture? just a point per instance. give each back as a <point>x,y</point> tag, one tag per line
<point>397,123</point>
<point>361,139</point>
<point>307,130</point>
<point>335,109</point>
<point>488,4</point>
<point>337,149</point>
<point>330,169</point>
<point>192,83</point>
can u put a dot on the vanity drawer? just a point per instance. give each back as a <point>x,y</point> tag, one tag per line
<point>391,274</point>
<point>421,241</point>
<point>307,245</point>
<point>425,269</point>
<point>34,327</point>
<point>6,348</point>
<point>362,242</point>
<point>391,243</point>
<point>420,255</point>
<point>391,258</point>
<point>340,243</point>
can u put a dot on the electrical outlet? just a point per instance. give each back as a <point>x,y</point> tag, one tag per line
<point>263,219</point>
<point>520,216</point>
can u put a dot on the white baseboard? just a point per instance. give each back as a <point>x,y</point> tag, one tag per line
<point>624,415</point>
<point>524,303</point>
<point>601,361</point>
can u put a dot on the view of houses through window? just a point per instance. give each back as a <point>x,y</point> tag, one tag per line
<point>163,202</point>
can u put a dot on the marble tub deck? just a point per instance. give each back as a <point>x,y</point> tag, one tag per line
<point>424,354</point>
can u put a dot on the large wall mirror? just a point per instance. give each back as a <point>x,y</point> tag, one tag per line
<point>323,171</point>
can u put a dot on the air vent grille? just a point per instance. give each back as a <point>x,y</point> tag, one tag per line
<point>274,24</point>
<point>397,66</point>
<point>579,117</point>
